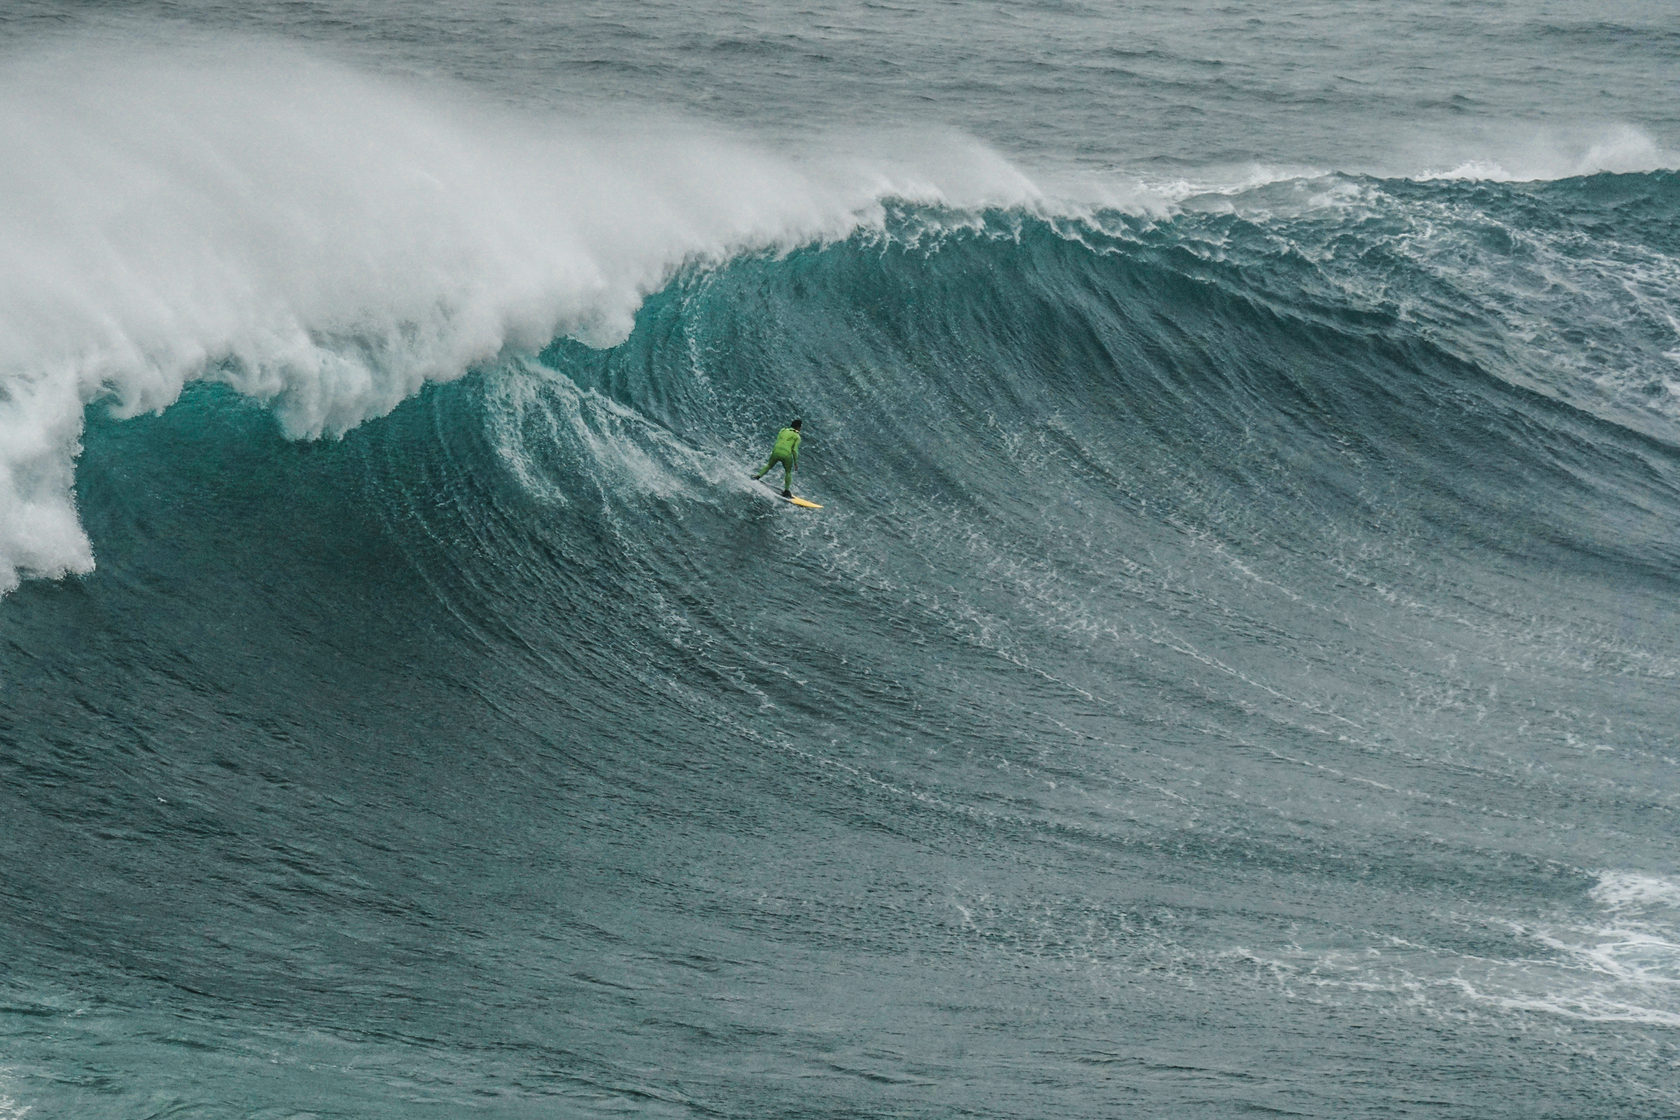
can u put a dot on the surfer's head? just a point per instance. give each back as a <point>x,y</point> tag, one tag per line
<point>795,424</point>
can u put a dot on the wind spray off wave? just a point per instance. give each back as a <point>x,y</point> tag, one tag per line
<point>328,242</point>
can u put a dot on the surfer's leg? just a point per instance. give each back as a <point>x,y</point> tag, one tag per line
<point>787,478</point>
<point>765,467</point>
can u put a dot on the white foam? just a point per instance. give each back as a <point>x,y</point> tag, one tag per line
<point>10,1109</point>
<point>1616,960</point>
<point>1641,895</point>
<point>329,242</point>
<point>1620,965</point>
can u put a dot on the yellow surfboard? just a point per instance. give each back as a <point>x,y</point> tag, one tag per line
<point>800,502</point>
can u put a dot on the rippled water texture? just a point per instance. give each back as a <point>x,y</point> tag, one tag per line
<point>1234,668</point>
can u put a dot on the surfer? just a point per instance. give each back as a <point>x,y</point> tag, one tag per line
<point>786,452</point>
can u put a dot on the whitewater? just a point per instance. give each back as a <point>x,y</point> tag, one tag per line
<point>1234,669</point>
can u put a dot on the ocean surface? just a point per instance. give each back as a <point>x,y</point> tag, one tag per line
<point>1236,669</point>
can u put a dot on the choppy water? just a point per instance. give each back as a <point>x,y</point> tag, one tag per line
<point>1235,668</point>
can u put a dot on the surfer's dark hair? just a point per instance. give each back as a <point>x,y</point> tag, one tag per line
<point>796,422</point>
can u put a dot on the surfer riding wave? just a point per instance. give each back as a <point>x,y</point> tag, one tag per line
<point>786,452</point>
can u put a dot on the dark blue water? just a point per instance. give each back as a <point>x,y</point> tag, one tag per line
<point>1234,669</point>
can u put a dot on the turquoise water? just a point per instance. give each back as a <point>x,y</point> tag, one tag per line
<point>1234,669</point>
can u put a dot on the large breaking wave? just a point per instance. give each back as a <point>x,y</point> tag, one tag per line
<point>1249,605</point>
<point>329,242</point>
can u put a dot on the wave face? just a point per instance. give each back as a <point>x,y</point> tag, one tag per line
<point>1238,647</point>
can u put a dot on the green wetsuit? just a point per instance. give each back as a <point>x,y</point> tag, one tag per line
<point>786,452</point>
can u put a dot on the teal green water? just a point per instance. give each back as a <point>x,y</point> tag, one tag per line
<point>1233,670</point>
